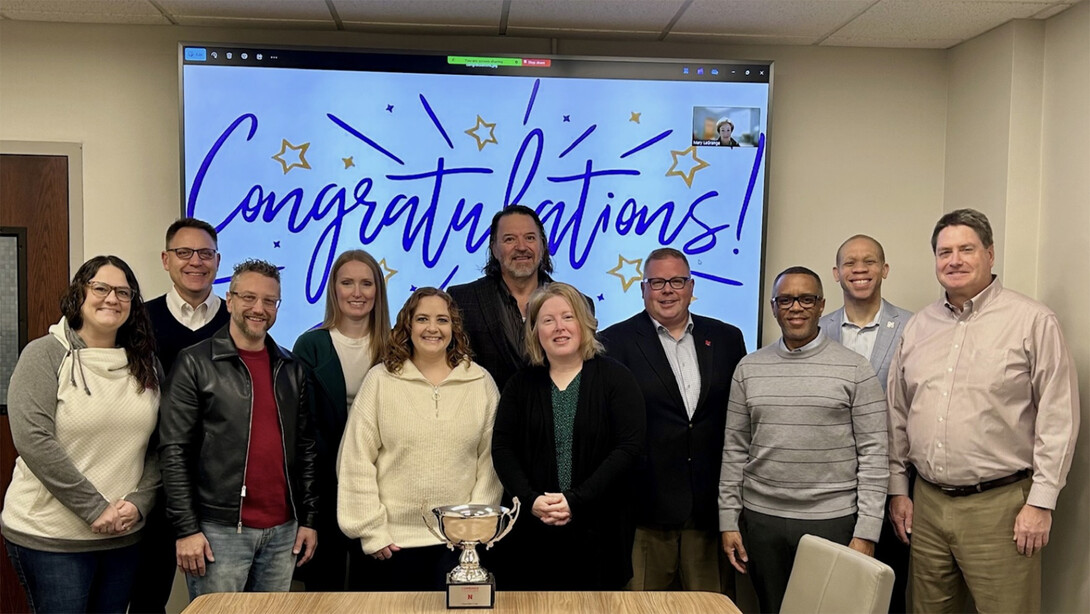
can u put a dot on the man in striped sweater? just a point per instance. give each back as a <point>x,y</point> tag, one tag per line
<point>805,445</point>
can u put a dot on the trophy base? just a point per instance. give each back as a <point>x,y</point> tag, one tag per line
<point>470,595</point>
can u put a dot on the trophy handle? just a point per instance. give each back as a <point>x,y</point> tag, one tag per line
<point>514,514</point>
<point>424,516</point>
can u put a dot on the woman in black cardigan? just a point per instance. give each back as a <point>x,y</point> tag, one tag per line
<point>568,433</point>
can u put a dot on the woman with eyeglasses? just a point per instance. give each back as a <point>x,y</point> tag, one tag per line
<point>352,339</point>
<point>419,436</point>
<point>569,433</point>
<point>83,403</point>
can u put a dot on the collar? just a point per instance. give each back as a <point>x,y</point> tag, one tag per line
<point>542,279</point>
<point>844,321</point>
<point>223,346</point>
<point>809,348</point>
<point>660,328</point>
<point>176,302</point>
<point>978,302</point>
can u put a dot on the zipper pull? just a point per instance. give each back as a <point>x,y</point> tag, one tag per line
<point>239,527</point>
<point>435,397</point>
<point>243,490</point>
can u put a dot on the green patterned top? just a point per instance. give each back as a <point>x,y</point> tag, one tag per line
<point>565,403</point>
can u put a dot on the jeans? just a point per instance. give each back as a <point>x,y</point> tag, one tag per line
<point>97,581</point>
<point>256,560</point>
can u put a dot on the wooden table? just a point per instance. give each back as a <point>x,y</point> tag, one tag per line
<point>622,602</point>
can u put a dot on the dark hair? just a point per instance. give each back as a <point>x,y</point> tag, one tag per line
<point>190,222</point>
<point>881,250</point>
<point>492,266</point>
<point>253,265</point>
<point>964,217</point>
<point>798,270</point>
<point>401,344</point>
<point>378,323</point>
<point>135,334</point>
<point>663,253</point>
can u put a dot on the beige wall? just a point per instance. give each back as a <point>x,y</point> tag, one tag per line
<point>1018,148</point>
<point>862,140</point>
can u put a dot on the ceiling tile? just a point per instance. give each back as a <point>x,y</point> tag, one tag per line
<point>84,11</point>
<point>253,23</point>
<point>740,39</point>
<point>791,18</point>
<point>901,20</point>
<point>425,12</point>
<point>902,43</point>
<point>639,16</point>
<point>310,10</point>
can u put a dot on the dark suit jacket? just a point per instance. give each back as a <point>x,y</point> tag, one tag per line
<point>482,319</point>
<point>679,478</point>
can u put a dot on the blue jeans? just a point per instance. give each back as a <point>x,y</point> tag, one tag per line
<point>256,560</point>
<point>68,582</point>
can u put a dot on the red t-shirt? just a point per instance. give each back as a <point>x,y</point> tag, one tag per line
<point>265,503</point>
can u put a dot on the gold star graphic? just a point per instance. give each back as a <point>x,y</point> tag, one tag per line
<point>348,162</point>
<point>634,117</point>
<point>627,279</point>
<point>389,272</point>
<point>284,147</point>
<point>491,133</point>
<point>687,176</point>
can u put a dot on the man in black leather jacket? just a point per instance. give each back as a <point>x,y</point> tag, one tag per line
<point>237,449</point>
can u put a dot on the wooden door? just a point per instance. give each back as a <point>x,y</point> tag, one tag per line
<point>34,204</point>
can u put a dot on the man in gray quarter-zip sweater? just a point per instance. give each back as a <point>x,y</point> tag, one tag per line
<point>804,447</point>
<point>238,451</point>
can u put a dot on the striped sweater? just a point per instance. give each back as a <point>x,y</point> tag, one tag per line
<point>806,438</point>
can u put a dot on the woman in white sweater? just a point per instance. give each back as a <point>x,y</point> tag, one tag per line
<point>83,403</point>
<point>419,435</point>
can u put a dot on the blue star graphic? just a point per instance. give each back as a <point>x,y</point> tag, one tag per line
<point>567,118</point>
<point>412,288</point>
<point>276,244</point>
<point>601,297</point>
<point>389,108</point>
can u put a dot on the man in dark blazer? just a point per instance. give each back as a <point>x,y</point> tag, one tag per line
<point>871,326</point>
<point>684,364</point>
<point>494,306</point>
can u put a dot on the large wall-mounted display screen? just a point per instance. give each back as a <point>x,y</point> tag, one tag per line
<point>295,155</point>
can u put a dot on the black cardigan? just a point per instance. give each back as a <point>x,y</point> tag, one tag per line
<point>608,437</point>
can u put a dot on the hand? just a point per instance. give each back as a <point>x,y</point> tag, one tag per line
<point>306,541</point>
<point>127,516</point>
<point>900,514</point>
<point>106,521</point>
<point>865,546</point>
<point>1031,529</point>
<point>191,553</point>
<point>385,553</point>
<point>736,551</point>
<point>552,509</point>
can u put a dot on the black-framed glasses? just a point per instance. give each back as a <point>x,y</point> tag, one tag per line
<point>185,253</point>
<point>658,283</point>
<point>101,290</point>
<point>249,300</point>
<point>785,301</point>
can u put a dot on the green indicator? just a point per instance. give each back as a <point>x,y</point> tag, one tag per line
<point>475,61</point>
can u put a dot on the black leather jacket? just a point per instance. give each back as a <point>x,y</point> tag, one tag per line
<point>204,431</point>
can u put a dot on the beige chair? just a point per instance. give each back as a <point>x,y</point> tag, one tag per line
<point>830,578</point>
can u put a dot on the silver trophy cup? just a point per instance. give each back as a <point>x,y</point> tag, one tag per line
<point>469,585</point>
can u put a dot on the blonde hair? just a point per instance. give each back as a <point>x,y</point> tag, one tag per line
<point>589,346</point>
<point>378,321</point>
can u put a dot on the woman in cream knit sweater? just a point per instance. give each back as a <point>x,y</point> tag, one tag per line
<point>418,436</point>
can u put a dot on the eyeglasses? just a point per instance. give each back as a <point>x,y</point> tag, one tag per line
<point>658,283</point>
<point>249,300</point>
<point>102,290</point>
<point>185,253</point>
<point>806,301</point>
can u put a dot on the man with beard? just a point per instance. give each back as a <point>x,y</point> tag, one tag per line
<point>494,306</point>
<point>237,449</point>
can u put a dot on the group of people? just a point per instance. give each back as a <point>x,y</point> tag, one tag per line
<point>652,455</point>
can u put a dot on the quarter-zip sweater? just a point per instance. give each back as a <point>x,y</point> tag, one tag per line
<point>411,446</point>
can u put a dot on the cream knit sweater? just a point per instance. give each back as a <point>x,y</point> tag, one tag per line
<point>409,446</point>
